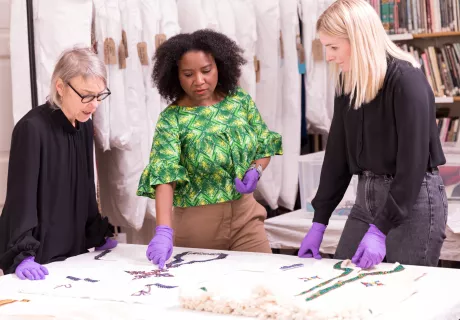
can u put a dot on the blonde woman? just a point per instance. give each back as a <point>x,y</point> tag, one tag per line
<point>50,211</point>
<point>384,130</point>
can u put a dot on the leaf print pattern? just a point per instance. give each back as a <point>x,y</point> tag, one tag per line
<point>203,149</point>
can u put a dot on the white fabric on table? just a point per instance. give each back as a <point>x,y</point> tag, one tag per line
<point>287,231</point>
<point>419,306</point>
<point>252,294</point>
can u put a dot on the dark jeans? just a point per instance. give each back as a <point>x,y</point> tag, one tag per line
<point>418,240</point>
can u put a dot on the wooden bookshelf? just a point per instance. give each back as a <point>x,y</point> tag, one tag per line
<point>436,35</point>
<point>409,36</point>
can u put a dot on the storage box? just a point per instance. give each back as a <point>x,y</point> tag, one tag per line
<point>309,175</point>
<point>450,173</point>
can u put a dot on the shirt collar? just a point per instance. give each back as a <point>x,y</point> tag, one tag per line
<point>60,118</point>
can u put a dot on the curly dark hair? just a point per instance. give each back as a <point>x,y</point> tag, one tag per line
<point>226,53</point>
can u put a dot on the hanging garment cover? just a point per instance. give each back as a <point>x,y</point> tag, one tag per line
<point>226,18</point>
<point>50,209</point>
<point>268,45</point>
<point>169,26</point>
<point>319,89</point>
<point>102,115</point>
<point>119,169</point>
<point>59,25</point>
<point>152,36</point>
<point>150,21</point>
<point>19,55</point>
<point>191,15</point>
<point>291,96</point>
<point>246,35</point>
<point>121,135</point>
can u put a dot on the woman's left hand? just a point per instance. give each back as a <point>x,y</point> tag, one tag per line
<point>371,250</point>
<point>109,244</point>
<point>249,183</point>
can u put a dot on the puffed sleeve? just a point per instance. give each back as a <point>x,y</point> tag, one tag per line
<point>164,164</point>
<point>20,218</point>
<point>269,142</point>
<point>97,228</point>
<point>413,104</point>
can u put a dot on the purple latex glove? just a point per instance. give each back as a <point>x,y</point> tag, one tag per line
<point>249,183</point>
<point>29,269</point>
<point>109,244</point>
<point>161,246</point>
<point>310,244</point>
<point>371,249</point>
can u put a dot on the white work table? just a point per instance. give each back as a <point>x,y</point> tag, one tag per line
<point>437,296</point>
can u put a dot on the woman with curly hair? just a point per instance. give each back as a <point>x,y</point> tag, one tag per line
<point>210,137</point>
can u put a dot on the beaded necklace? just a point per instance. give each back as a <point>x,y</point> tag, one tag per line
<point>339,284</point>
<point>178,258</point>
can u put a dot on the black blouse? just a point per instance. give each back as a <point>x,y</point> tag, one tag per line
<point>50,210</point>
<point>394,134</point>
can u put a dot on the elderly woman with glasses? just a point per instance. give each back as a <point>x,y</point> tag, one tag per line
<point>50,211</point>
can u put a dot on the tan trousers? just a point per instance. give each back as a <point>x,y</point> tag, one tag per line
<point>235,225</point>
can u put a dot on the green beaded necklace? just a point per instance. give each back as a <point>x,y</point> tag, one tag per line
<point>346,271</point>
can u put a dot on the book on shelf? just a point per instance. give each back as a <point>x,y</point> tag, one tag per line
<point>418,16</point>
<point>441,67</point>
<point>448,127</point>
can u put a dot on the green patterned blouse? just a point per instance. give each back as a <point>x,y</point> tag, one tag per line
<point>205,148</point>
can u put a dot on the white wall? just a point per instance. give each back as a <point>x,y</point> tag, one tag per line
<point>6,113</point>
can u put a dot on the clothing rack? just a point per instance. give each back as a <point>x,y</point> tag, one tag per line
<point>31,42</point>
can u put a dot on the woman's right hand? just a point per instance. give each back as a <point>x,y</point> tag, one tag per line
<point>312,241</point>
<point>161,246</point>
<point>29,269</point>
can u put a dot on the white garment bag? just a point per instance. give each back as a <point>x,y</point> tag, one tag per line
<point>291,102</point>
<point>121,135</point>
<point>19,55</point>
<point>226,18</point>
<point>151,33</point>
<point>168,26</point>
<point>59,25</point>
<point>268,54</point>
<point>319,88</point>
<point>120,170</point>
<point>246,36</point>
<point>191,15</point>
<point>101,118</point>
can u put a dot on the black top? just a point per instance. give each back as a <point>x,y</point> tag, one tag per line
<point>50,210</point>
<point>394,134</point>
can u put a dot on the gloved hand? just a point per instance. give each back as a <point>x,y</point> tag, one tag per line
<point>31,270</point>
<point>249,183</point>
<point>371,249</point>
<point>310,244</point>
<point>109,244</point>
<point>161,246</point>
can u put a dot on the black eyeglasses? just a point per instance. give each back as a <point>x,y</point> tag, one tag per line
<point>90,97</point>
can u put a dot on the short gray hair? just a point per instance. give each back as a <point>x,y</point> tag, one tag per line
<point>75,62</point>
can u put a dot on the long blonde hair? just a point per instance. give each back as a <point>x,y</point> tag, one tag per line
<point>370,45</point>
